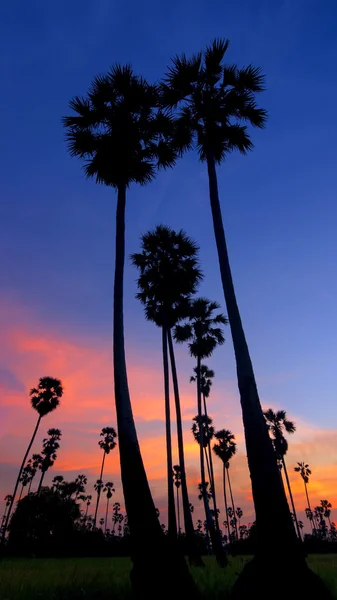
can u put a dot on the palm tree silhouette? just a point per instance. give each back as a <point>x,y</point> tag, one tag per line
<point>109,490</point>
<point>225,449</point>
<point>115,515</point>
<point>26,477</point>
<point>57,482</point>
<point>278,424</point>
<point>202,332</point>
<point>37,460</point>
<point>81,481</point>
<point>107,444</point>
<point>8,500</point>
<point>123,136</point>
<point>204,423</point>
<point>177,483</point>
<point>87,502</point>
<point>304,470</point>
<point>168,275</point>
<point>203,489</point>
<point>44,399</point>
<point>50,447</point>
<point>213,103</point>
<point>327,506</point>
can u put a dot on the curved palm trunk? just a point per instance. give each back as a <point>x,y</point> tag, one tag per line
<point>172,523</point>
<point>270,501</point>
<point>215,538</point>
<point>194,555</point>
<point>233,505</point>
<point>291,497</point>
<point>18,478</point>
<point>226,503</point>
<point>99,489</point>
<point>211,470</point>
<point>152,560</point>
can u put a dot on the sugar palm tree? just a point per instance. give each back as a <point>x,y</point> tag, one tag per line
<point>81,481</point>
<point>169,274</point>
<point>45,398</point>
<point>49,450</point>
<point>213,103</point>
<point>225,449</point>
<point>107,444</point>
<point>204,423</point>
<point>123,137</point>
<point>202,330</point>
<point>26,477</point>
<point>327,506</point>
<point>278,424</point>
<point>109,490</point>
<point>305,472</point>
<point>57,482</point>
<point>177,483</point>
<point>87,502</point>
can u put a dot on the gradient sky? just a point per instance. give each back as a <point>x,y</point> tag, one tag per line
<point>57,233</point>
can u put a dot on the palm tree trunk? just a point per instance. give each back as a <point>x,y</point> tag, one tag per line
<point>270,501</point>
<point>291,497</point>
<point>41,481</point>
<point>233,505</point>
<point>20,493</point>
<point>150,554</point>
<point>172,522</point>
<point>106,514</point>
<point>211,470</point>
<point>99,489</point>
<point>18,478</point>
<point>194,556</point>
<point>309,506</point>
<point>178,511</point>
<point>226,503</point>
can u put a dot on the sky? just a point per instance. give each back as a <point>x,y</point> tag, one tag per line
<point>57,236</point>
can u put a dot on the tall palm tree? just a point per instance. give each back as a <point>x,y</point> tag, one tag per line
<point>122,136</point>
<point>109,490</point>
<point>44,399</point>
<point>278,423</point>
<point>327,506</point>
<point>305,472</point>
<point>168,275</point>
<point>177,483</point>
<point>213,103</point>
<point>225,449</point>
<point>107,444</point>
<point>202,330</point>
<point>50,447</point>
<point>26,477</point>
<point>81,481</point>
<point>207,434</point>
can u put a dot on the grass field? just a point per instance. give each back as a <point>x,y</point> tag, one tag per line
<point>106,578</point>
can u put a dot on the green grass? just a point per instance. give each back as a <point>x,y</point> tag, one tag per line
<point>106,578</point>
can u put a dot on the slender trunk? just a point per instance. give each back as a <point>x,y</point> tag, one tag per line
<point>21,493</point>
<point>106,514</point>
<point>41,481</point>
<point>211,470</point>
<point>172,522</point>
<point>194,555</point>
<point>18,478</point>
<point>309,506</point>
<point>226,503</point>
<point>214,535</point>
<point>178,511</point>
<point>208,469</point>
<point>153,563</point>
<point>99,489</point>
<point>270,501</point>
<point>233,505</point>
<point>291,498</point>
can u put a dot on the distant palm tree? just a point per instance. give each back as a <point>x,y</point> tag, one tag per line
<point>207,436</point>
<point>239,514</point>
<point>213,103</point>
<point>57,482</point>
<point>44,399</point>
<point>202,330</point>
<point>115,515</point>
<point>50,447</point>
<point>87,502</point>
<point>37,460</point>
<point>8,500</point>
<point>26,477</point>
<point>177,483</point>
<point>203,489</point>
<point>304,470</point>
<point>278,423</point>
<point>225,449</point>
<point>327,506</point>
<point>109,490</point>
<point>107,444</point>
<point>169,274</point>
<point>81,481</point>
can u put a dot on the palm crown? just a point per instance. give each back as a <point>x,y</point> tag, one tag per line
<point>169,273</point>
<point>304,471</point>
<point>201,329</point>
<point>206,376</point>
<point>226,446</point>
<point>119,130</point>
<point>108,442</point>
<point>213,101</point>
<point>278,424</point>
<point>46,397</point>
<point>50,446</point>
<point>207,429</point>
<point>109,489</point>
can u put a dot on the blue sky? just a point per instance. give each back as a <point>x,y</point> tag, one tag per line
<point>279,208</point>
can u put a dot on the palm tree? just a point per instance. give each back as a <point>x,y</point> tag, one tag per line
<point>213,103</point>
<point>26,477</point>
<point>44,399</point>
<point>204,423</point>
<point>203,489</point>
<point>81,481</point>
<point>57,482</point>
<point>123,137</point>
<point>109,490</point>
<point>202,332</point>
<point>168,275</point>
<point>50,447</point>
<point>115,515</point>
<point>177,483</point>
<point>304,470</point>
<point>225,449</point>
<point>278,424</point>
<point>8,500</point>
<point>107,444</point>
<point>327,506</point>
<point>88,502</point>
<point>37,460</point>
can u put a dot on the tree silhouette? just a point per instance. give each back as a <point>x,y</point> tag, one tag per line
<point>278,424</point>
<point>203,489</point>
<point>177,483</point>
<point>327,506</point>
<point>44,399</point>
<point>26,476</point>
<point>115,515</point>
<point>225,449</point>
<point>57,482</point>
<point>168,275</point>
<point>81,481</point>
<point>87,502</point>
<point>50,447</point>
<point>304,470</point>
<point>203,333</point>
<point>122,135</point>
<point>109,490</point>
<point>107,444</point>
<point>213,103</point>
